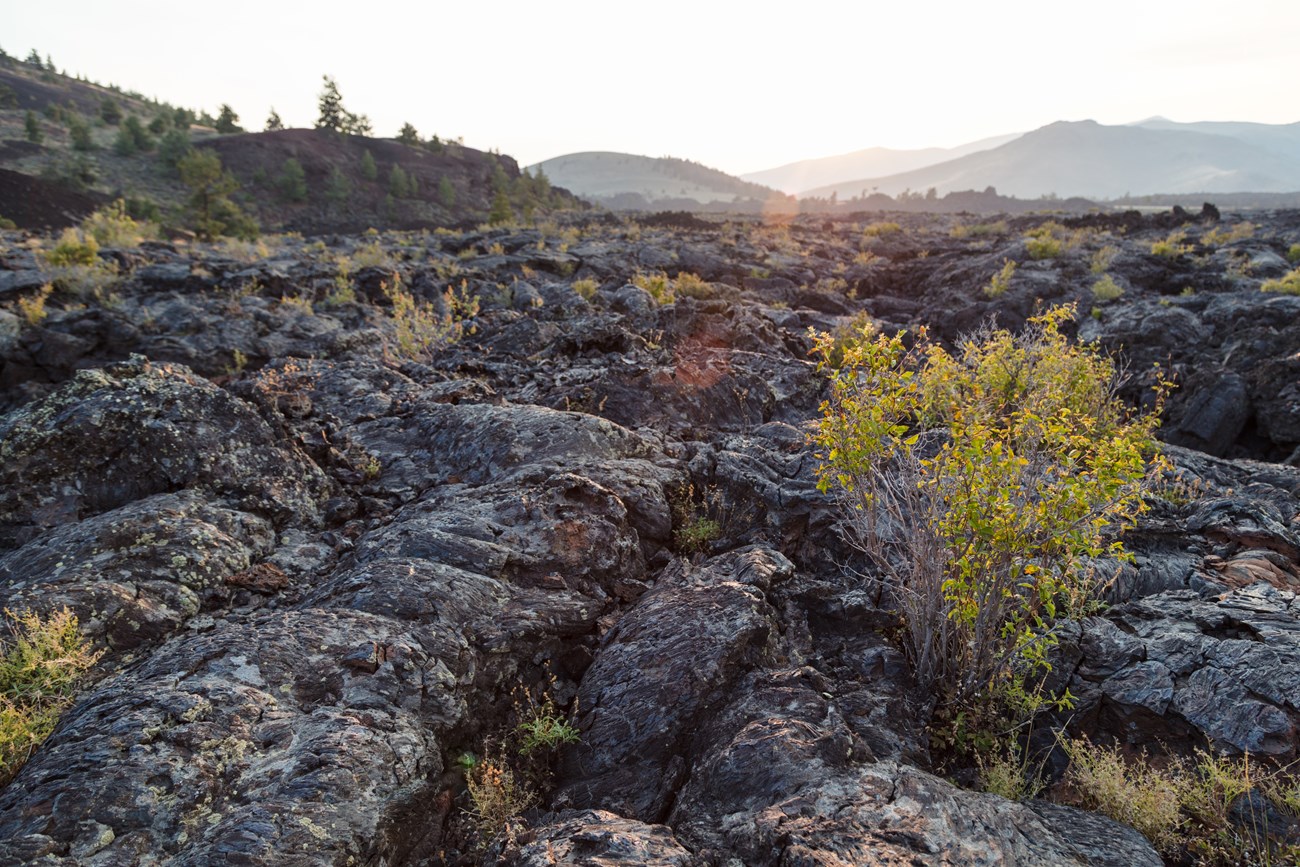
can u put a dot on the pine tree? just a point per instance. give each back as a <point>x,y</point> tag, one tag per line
<point>446,193</point>
<point>409,135</point>
<point>399,183</point>
<point>337,188</point>
<point>293,181</point>
<point>273,121</point>
<point>227,121</point>
<point>331,107</point>
<point>500,212</point>
<point>369,170</point>
<point>34,134</point>
<point>34,58</point>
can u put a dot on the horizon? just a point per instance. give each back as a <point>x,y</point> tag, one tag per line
<point>537,89</point>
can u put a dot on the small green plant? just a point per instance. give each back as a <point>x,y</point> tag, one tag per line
<point>1293,253</point>
<point>44,660</point>
<point>372,469</point>
<point>1106,289</point>
<point>1171,247</point>
<point>586,287</point>
<point>1288,284</point>
<point>544,728</point>
<point>1001,281</point>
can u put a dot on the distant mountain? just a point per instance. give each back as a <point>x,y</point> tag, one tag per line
<point>1085,158</point>
<point>621,180</point>
<point>1281,138</point>
<point>799,177</point>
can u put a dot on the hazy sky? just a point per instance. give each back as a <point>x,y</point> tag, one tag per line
<point>741,86</point>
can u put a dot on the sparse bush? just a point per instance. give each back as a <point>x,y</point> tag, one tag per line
<point>692,286</point>
<point>1001,281</point>
<point>1102,259</point>
<point>1293,253</point>
<point>446,193</point>
<point>498,795</point>
<point>73,248</point>
<point>1224,235</point>
<point>1288,284</point>
<point>1106,289</point>
<point>33,309</point>
<point>43,661</point>
<point>1186,807</point>
<point>1043,247</point>
<point>881,230</point>
<point>421,328</point>
<point>1171,246</point>
<point>112,226</point>
<point>979,230</point>
<point>983,486</point>
<point>1138,795</point>
<point>586,287</point>
<point>657,285</point>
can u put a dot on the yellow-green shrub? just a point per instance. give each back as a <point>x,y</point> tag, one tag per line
<point>982,485</point>
<point>1288,284</point>
<point>1106,289</point>
<point>112,226</point>
<point>1171,247</point>
<point>43,661</point>
<point>881,229</point>
<point>420,329</point>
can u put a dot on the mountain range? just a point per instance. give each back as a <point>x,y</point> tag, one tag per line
<point>1062,159</point>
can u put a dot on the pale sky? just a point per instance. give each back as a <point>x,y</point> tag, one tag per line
<point>740,86</point>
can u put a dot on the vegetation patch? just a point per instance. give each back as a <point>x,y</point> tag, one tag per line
<point>982,486</point>
<point>44,660</point>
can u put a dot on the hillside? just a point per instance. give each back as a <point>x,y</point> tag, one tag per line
<point>79,160</point>
<point>1085,158</point>
<point>629,181</point>
<point>805,175</point>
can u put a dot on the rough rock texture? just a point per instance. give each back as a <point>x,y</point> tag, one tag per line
<point>324,573</point>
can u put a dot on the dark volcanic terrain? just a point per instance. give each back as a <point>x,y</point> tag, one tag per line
<point>324,566</point>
